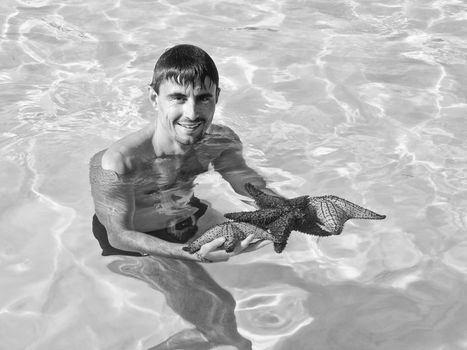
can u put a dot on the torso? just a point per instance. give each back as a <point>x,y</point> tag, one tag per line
<point>163,186</point>
<point>163,189</point>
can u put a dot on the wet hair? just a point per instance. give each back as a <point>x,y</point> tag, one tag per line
<point>186,64</point>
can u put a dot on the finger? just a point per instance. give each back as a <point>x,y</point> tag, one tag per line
<point>242,245</point>
<point>247,241</point>
<point>210,246</point>
<point>202,258</point>
<point>218,255</point>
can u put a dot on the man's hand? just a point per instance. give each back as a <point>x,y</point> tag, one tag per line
<point>210,251</point>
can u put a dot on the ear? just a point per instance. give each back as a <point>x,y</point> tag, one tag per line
<point>218,91</point>
<point>152,95</point>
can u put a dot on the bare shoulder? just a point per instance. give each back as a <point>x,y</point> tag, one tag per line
<point>224,131</point>
<point>115,160</point>
<point>97,174</point>
<point>121,156</point>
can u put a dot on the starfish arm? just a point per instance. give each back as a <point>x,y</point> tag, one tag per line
<point>211,234</point>
<point>299,202</point>
<point>258,232</point>
<point>234,236</point>
<point>260,217</point>
<point>264,200</point>
<point>281,229</point>
<point>354,211</point>
<point>330,213</point>
<point>312,228</point>
<point>330,217</point>
<point>280,246</point>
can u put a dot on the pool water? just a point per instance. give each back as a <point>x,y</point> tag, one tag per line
<point>366,100</point>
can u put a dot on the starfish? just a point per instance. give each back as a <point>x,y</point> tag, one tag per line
<point>320,216</point>
<point>233,232</point>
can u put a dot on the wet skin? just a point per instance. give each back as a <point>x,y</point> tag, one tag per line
<point>185,114</point>
<point>144,181</point>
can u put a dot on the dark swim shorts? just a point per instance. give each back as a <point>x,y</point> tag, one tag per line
<point>180,233</point>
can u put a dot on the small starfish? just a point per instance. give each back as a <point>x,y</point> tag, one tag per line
<point>233,232</point>
<point>320,216</point>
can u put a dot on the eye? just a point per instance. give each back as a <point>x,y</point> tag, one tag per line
<point>178,98</point>
<point>205,98</point>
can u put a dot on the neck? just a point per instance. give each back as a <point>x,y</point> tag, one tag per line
<point>165,146</point>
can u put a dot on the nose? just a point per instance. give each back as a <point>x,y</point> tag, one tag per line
<point>189,109</point>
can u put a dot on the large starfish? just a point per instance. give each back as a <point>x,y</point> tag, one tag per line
<point>233,232</point>
<point>278,215</point>
<point>320,216</point>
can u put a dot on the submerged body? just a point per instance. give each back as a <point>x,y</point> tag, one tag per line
<point>156,193</point>
<point>143,191</point>
<point>161,187</point>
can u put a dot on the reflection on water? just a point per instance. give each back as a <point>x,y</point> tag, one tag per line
<point>304,313</point>
<point>362,99</point>
<point>194,295</point>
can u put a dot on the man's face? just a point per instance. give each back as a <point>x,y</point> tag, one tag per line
<point>186,111</point>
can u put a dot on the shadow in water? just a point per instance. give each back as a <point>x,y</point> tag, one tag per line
<point>429,313</point>
<point>194,295</point>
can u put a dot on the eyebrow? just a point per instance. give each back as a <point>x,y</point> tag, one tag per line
<point>179,94</point>
<point>176,94</point>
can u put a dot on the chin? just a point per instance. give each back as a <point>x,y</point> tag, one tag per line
<point>193,138</point>
<point>189,140</point>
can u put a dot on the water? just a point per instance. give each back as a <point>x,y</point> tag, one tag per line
<point>362,99</point>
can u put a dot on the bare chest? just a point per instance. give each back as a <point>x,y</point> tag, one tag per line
<point>166,182</point>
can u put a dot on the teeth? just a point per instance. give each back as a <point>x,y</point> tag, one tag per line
<point>190,126</point>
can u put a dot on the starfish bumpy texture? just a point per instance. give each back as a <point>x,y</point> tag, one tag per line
<point>326,215</point>
<point>320,216</point>
<point>233,232</point>
<point>277,217</point>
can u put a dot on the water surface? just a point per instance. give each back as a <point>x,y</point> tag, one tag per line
<point>362,99</point>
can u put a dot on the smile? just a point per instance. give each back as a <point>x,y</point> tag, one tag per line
<point>190,126</point>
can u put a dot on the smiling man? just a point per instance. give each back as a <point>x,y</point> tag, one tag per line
<point>142,185</point>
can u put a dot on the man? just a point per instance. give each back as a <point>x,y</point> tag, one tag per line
<point>142,185</point>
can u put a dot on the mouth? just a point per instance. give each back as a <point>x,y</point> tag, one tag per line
<point>191,126</point>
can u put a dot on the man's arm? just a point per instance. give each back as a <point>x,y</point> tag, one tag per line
<point>233,168</point>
